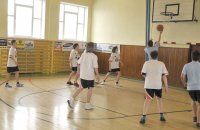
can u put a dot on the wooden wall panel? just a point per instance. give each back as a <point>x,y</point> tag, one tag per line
<point>103,61</point>
<point>174,59</point>
<point>133,60</point>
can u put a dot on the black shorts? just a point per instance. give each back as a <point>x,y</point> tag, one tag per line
<point>12,69</point>
<point>74,69</point>
<point>87,83</point>
<point>151,92</point>
<point>195,95</point>
<point>115,70</point>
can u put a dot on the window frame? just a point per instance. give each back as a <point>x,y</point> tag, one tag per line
<point>84,24</point>
<point>42,36</point>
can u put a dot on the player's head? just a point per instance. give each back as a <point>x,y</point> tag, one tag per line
<point>13,43</point>
<point>195,55</point>
<point>90,47</point>
<point>76,46</point>
<point>154,55</point>
<point>115,49</point>
<point>150,43</point>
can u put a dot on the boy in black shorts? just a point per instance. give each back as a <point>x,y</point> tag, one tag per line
<point>154,71</point>
<point>191,79</point>
<point>74,56</point>
<point>12,65</point>
<point>114,61</point>
<point>87,66</point>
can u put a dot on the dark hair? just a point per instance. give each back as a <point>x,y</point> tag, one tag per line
<point>13,41</point>
<point>154,55</point>
<point>150,43</point>
<point>195,55</point>
<point>75,45</point>
<point>114,49</point>
<point>89,47</point>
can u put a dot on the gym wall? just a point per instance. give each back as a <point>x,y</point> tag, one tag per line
<point>119,21</point>
<point>52,17</point>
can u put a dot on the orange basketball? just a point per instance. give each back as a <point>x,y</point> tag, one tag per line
<point>160,27</point>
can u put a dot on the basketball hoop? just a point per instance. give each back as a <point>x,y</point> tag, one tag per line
<point>170,14</point>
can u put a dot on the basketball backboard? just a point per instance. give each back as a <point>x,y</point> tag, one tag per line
<point>173,10</point>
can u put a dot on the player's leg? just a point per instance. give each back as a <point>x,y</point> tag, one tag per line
<point>72,99</point>
<point>17,78</point>
<point>70,77</point>
<point>7,79</point>
<point>106,77</point>
<point>149,94</point>
<point>118,77</point>
<point>76,78</point>
<point>158,94</point>
<point>198,114</point>
<point>88,105</point>
<point>194,109</point>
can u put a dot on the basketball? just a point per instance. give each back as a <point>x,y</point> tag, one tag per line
<point>160,27</point>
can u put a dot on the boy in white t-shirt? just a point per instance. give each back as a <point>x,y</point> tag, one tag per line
<point>114,61</point>
<point>87,66</point>
<point>12,65</point>
<point>154,71</point>
<point>73,58</point>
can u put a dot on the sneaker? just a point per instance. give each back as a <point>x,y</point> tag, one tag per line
<point>117,84</point>
<point>195,119</point>
<point>162,118</point>
<point>70,83</point>
<point>89,106</point>
<point>198,125</point>
<point>19,85</point>
<point>142,120</point>
<point>71,103</point>
<point>8,86</point>
<point>76,84</point>
<point>102,83</point>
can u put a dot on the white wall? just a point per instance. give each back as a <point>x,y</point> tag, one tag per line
<point>119,21</point>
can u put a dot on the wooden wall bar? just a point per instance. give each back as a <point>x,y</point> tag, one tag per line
<point>133,59</point>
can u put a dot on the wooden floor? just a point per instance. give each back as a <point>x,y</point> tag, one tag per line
<point>41,105</point>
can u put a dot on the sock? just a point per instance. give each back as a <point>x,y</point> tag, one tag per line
<point>117,82</point>
<point>6,83</point>
<point>17,82</point>
<point>161,114</point>
<point>104,80</point>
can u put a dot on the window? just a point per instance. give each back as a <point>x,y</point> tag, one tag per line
<point>26,18</point>
<point>73,22</point>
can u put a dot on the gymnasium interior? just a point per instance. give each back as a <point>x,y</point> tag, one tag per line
<point>45,31</point>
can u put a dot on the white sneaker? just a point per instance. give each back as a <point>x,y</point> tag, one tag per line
<point>103,82</point>
<point>117,85</point>
<point>89,106</point>
<point>71,103</point>
<point>19,85</point>
<point>8,86</point>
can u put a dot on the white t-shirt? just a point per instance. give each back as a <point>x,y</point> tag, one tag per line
<point>88,62</point>
<point>154,70</point>
<point>114,58</point>
<point>74,56</point>
<point>12,53</point>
